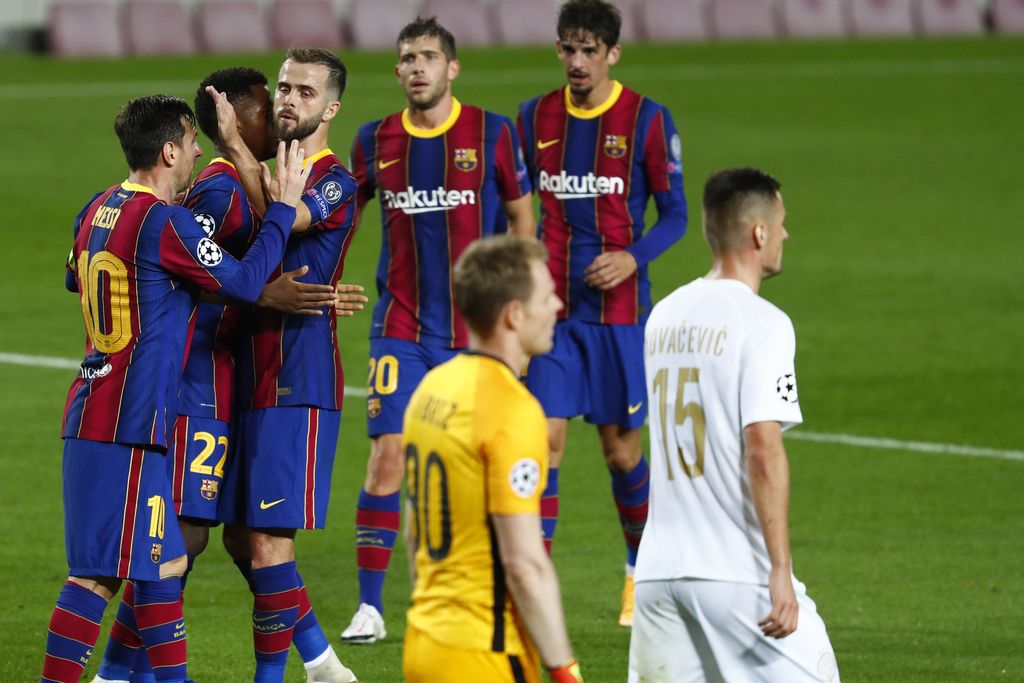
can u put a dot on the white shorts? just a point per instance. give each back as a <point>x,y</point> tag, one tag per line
<point>690,631</point>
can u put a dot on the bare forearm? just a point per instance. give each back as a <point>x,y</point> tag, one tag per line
<point>533,585</point>
<point>248,169</point>
<point>769,487</point>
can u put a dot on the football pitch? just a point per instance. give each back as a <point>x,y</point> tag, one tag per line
<point>901,171</point>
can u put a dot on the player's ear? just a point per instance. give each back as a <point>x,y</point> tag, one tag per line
<point>760,233</point>
<point>614,52</point>
<point>169,152</point>
<point>512,314</point>
<point>454,69</point>
<point>331,111</point>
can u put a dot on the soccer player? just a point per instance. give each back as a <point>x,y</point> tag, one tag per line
<point>486,606</point>
<point>200,446</point>
<point>132,252</point>
<point>716,598</point>
<point>290,379</point>
<point>597,152</point>
<point>445,173</point>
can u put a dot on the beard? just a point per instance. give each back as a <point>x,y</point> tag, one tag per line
<point>429,99</point>
<point>302,128</point>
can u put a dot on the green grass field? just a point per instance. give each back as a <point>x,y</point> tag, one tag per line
<point>901,170</point>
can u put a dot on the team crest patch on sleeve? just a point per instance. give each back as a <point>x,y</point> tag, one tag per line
<point>785,387</point>
<point>207,223</point>
<point>615,146</point>
<point>524,477</point>
<point>208,252</point>
<point>465,159</point>
<point>332,192</point>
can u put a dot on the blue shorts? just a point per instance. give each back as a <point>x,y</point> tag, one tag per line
<point>593,370</point>
<point>396,368</point>
<point>279,472</point>
<point>117,522</point>
<point>199,453</point>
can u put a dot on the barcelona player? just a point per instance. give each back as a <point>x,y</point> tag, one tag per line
<point>132,252</point>
<point>598,152</point>
<point>290,379</point>
<point>486,606</point>
<point>201,438</point>
<point>445,174</point>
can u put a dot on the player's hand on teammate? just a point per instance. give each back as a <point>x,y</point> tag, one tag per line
<point>227,122</point>
<point>609,269</point>
<point>287,294</point>
<point>349,300</point>
<point>288,181</point>
<point>781,621</point>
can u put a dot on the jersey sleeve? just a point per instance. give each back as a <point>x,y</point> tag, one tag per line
<point>663,168</point>
<point>70,282</point>
<point>329,200</point>
<point>524,126</point>
<point>222,211</point>
<point>191,255</point>
<point>516,460</point>
<point>768,374</point>
<point>513,179</point>
<point>361,160</point>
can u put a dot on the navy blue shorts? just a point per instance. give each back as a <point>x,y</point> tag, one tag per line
<point>279,472</point>
<point>199,453</point>
<point>593,370</point>
<point>396,368</point>
<point>117,518</point>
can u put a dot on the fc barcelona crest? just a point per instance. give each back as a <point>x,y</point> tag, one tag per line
<point>373,407</point>
<point>209,489</point>
<point>155,552</point>
<point>465,159</point>
<point>615,146</point>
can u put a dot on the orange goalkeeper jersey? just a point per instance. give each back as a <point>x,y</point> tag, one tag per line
<point>475,444</point>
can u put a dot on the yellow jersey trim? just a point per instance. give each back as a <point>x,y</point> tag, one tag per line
<point>317,157</point>
<point>221,160</point>
<point>599,109</point>
<point>432,132</point>
<point>135,187</point>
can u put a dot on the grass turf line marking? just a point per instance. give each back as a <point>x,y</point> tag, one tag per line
<point>799,435</point>
<point>626,72</point>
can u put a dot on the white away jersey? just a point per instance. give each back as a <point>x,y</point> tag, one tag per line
<point>718,357</point>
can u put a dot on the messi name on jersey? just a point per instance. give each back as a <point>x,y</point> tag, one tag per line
<point>568,186</point>
<point>412,201</point>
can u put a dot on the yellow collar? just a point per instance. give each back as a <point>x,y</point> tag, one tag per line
<point>135,187</point>
<point>221,160</point>
<point>599,109</point>
<point>432,132</point>
<point>317,157</point>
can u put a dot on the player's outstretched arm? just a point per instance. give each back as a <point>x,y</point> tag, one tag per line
<point>769,486</point>
<point>246,165</point>
<point>533,585</point>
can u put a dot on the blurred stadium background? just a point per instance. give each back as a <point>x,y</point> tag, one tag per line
<point>900,159</point>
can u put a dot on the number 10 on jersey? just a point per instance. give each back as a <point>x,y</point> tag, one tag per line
<point>681,412</point>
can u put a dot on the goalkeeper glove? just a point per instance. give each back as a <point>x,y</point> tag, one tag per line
<point>569,673</point>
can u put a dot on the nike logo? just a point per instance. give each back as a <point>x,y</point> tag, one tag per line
<point>264,505</point>
<point>384,164</point>
<point>179,625</point>
<point>260,619</point>
<point>632,409</point>
<point>541,144</point>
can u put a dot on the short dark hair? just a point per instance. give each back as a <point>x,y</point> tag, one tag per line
<point>492,272</point>
<point>235,82</point>
<point>145,124</point>
<point>597,17</point>
<point>728,194</point>
<point>337,74</point>
<point>432,28</point>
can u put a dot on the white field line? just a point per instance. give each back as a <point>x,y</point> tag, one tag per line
<point>797,434</point>
<point>667,72</point>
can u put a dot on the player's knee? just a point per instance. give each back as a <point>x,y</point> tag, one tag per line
<point>196,537</point>
<point>104,586</point>
<point>386,466</point>
<point>175,567</point>
<point>236,542</point>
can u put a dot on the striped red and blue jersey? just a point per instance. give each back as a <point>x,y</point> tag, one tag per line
<point>294,360</point>
<point>222,209</point>
<point>595,170</point>
<point>439,190</point>
<point>131,258</point>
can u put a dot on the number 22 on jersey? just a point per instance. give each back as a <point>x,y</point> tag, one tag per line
<point>681,413</point>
